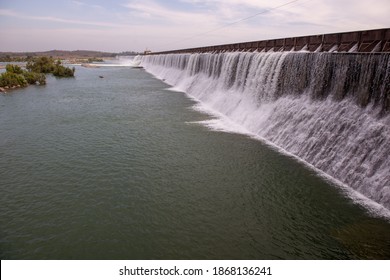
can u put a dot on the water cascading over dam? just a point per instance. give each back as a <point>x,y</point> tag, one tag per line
<point>329,109</point>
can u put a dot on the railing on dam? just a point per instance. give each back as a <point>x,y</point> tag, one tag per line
<point>377,40</point>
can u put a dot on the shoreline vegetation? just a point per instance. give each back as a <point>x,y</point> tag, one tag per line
<point>37,64</point>
<point>71,57</point>
<point>33,74</point>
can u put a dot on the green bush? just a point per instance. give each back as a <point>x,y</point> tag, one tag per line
<point>37,67</point>
<point>34,78</point>
<point>48,65</point>
<point>41,65</point>
<point>12,79</point>
<point>61,71</point>
<point>16,76</point>
<point>12,68</point>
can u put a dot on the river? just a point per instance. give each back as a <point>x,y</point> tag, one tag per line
<point>121,167</point>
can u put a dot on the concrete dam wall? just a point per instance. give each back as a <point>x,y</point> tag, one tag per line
<point>377,40</point>
<point>330,110</point>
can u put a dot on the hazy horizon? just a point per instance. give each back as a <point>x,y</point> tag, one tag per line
<point>133,25</point>
<point>75,50</point>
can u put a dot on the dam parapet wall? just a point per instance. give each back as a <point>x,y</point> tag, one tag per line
<point>366,41</point>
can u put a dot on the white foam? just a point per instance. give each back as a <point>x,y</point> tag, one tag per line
<point>240,91</point>
<point>121,61</point>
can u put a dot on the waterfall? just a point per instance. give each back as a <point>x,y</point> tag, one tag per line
<point>331,110</point>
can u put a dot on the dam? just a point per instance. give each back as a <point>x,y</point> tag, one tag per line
<point>322,99</point>
<point>376,40</point>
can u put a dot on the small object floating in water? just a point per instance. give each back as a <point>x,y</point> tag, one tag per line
<point>101,77</point>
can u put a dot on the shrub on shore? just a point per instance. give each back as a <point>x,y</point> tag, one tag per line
<point>34,78</point>
<point>10,80</point>
<point>48,65</point>
<point>15,76</point>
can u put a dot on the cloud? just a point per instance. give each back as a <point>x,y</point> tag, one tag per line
<point>88,6</point>
<point>82,4</point>
<point>11,13</point>
<point>8,13</point>
<point>151,10</point>
<point>164,25</point>
<point>249,20</point>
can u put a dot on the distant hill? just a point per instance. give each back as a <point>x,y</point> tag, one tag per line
<point>66,54</point>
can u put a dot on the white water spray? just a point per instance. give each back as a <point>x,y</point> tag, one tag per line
<point>329,110</point>
<point>121,61</point>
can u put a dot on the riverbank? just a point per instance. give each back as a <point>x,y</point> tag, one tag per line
<point>34,73</point>
<point>79,56</point>
<point>7,88</point>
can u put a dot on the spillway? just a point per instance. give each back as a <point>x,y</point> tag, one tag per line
<point>330,110</point>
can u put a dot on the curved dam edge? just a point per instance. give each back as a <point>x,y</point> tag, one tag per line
<point>166,73</point>
<point>373,208</point>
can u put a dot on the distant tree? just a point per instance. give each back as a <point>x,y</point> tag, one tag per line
<point>34,78</point>
<point>15,76</point>
<point>61,71</point>
<point>41,65</point>
<point>49,65</point>
<point>9,79</point>
<point>12,68</point>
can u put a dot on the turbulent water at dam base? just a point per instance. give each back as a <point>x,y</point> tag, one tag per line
<point>328,109</point>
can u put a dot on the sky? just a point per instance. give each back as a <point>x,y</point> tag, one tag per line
<point>136,25</point>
